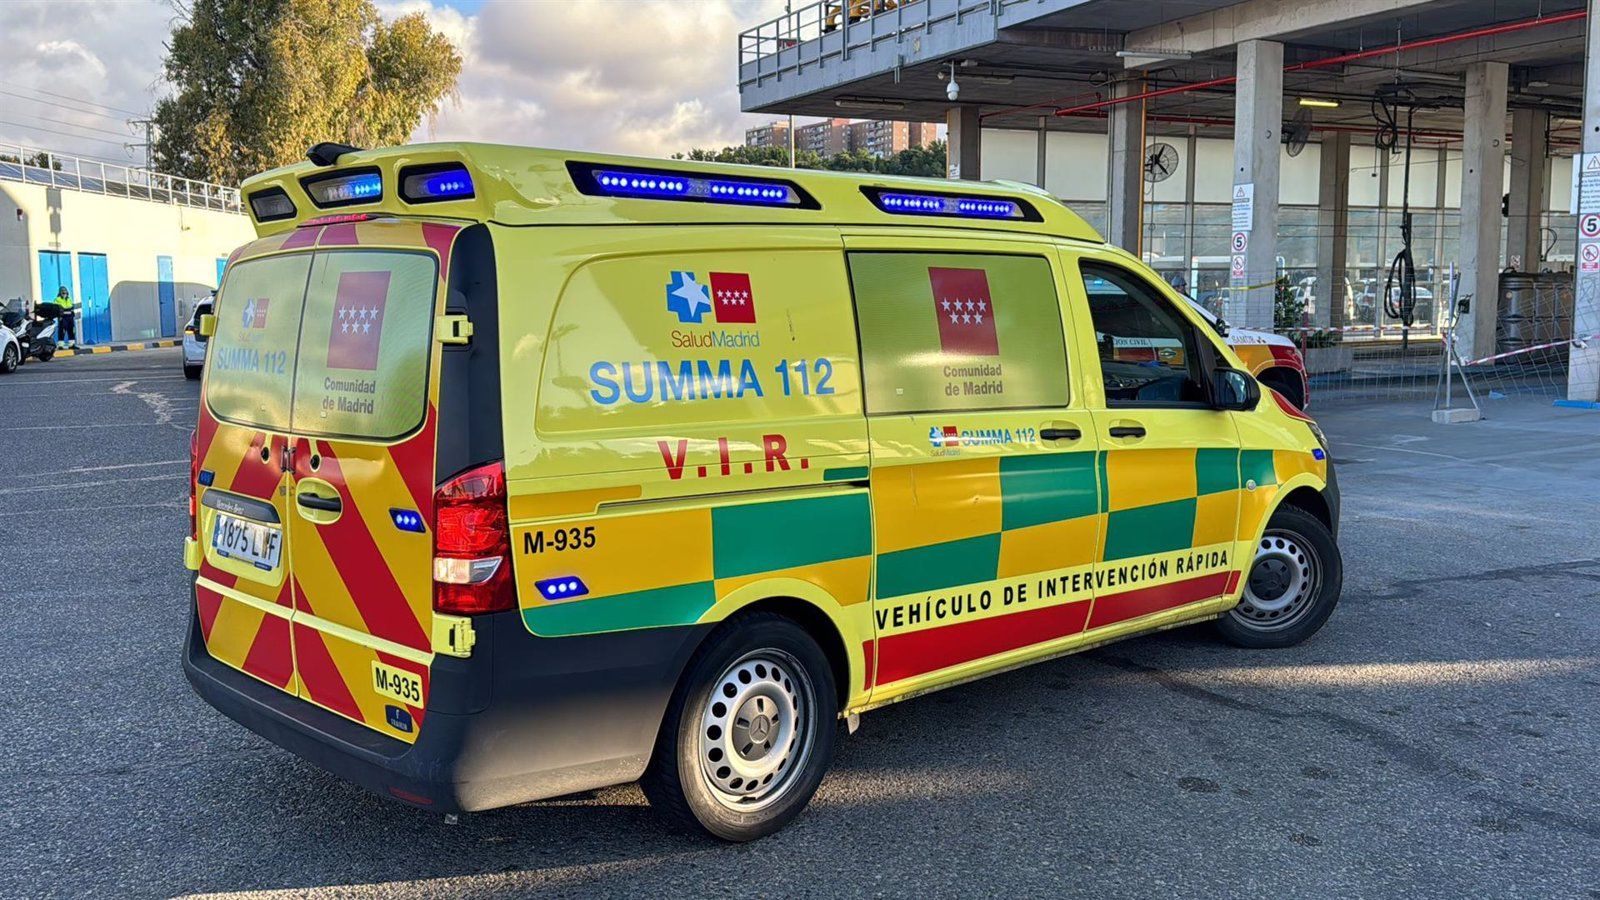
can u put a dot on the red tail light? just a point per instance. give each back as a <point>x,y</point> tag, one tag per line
<point>472,543</point>
<point>194,477</point>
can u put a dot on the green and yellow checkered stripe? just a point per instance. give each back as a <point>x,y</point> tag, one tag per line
<point>947,524</point>
<point>658,569</point>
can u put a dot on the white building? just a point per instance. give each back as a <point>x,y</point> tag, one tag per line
<point>136,249</point>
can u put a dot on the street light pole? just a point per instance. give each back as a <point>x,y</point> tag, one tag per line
<point>788,12</point>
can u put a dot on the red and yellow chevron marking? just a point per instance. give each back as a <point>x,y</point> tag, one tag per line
<point>350,593</point>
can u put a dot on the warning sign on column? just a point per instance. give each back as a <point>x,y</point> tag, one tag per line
<point>1238,263</point>
<point>1589,257</point>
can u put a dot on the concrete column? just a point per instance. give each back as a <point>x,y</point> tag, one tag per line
<point>1333,229</point>
<point>1189,152</point>
<point>1125,180</point>
<point>964,142</point>
<point>1529,146</point>
<point>1583,370</point>
<point>1483,149</point>
<point>1257,125</point>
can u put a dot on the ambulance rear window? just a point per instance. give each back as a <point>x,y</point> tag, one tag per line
<point>330,343</point>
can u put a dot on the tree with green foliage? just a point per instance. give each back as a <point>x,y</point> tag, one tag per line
<point>260,81</point>
<point>925,161</point>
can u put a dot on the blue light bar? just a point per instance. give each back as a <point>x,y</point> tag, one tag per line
<point>343,190</point>
<point>945,205</point>
<point>564,588</point>
<point>408,520</point>
<point>429,184</point>
<point>649,185</point>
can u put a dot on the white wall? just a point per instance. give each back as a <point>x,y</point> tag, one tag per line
<point>1075,169</point>
<point>131,233</point>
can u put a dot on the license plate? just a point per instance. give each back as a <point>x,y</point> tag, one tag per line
<point>397,684</point>
<point>249,541</point>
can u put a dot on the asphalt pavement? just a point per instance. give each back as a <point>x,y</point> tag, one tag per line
<point>1438,739</point>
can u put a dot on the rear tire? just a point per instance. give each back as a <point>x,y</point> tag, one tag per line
<point>1292,585</point>
<point>47,352</point>
<point>749,732</point>
<point>10,359</point>
<point>191,372</point>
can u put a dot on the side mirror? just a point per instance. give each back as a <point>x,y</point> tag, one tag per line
<point>208,325</point>
<point>1234,390</point>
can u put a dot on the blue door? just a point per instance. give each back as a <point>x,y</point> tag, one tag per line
<point>94,301</point>
<point>55,273</point>
<point>222,263</point>
<point>166,296</point>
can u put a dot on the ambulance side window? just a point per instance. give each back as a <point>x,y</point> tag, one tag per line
<point>953,332</point>
<point>1150,355</point>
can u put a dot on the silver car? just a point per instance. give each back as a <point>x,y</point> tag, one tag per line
<point>194,343</point>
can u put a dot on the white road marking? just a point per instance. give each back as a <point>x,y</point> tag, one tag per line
<point>163,462</point>
<point>93,425</point>
<point>82,484</point>
<point>160,404</point>
<point>87,380</point>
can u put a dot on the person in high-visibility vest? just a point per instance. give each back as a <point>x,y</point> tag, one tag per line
<point>68,325</point>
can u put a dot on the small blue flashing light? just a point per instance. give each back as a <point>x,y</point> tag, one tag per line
<point>357,187</point>
<point>663,186</point>
<point>206,477</point>
<point>1318,454</point>
<point>429,184</point>
<point>940,205</point>
<point>408,520</point>
<point>564,588</point>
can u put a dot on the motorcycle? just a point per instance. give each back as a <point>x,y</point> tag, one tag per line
<point>35,330</point>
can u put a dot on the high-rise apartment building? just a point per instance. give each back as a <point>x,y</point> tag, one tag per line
<point>879,137</point>
<point>829,137</point>
<point>772,134</point>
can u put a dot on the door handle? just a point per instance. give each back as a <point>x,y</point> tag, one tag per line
<point>1060,434</point>
<point>1127,431</point>
<point>321,504</point>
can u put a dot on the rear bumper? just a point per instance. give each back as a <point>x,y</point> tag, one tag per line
<point>522,719</point>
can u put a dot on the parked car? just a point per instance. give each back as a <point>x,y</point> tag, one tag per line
<point>10,351</point>
<point>194,343</point>
<point>1273,359</point>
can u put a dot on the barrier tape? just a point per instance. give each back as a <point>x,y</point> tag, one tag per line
<point>1577,342</point>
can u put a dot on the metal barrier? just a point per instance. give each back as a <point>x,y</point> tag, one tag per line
<point>834,28</point>
<point>19,163</point>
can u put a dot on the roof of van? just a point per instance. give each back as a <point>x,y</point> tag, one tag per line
<point>527,186</point>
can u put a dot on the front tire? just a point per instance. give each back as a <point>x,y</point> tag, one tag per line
<point>191,372</point>
<point>10,359</point>
<point>749,732</point>
<point>1292,586</point>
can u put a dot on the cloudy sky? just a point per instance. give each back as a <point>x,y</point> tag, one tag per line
<point>649,77</point>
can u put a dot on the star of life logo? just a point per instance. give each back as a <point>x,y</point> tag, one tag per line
<point>728,297</point>
<point>254,314</point>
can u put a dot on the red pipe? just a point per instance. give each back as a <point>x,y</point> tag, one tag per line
<point>1224,122</point>
<point>1487,31</point>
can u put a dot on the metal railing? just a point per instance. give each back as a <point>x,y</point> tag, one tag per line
<point>835,28</point>
<point>21,163</point>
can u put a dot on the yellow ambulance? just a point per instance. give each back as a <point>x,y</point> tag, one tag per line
<point>524,472</point>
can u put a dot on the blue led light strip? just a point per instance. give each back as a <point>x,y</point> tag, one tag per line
<point>661,186</point>
<point>939,205</point>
